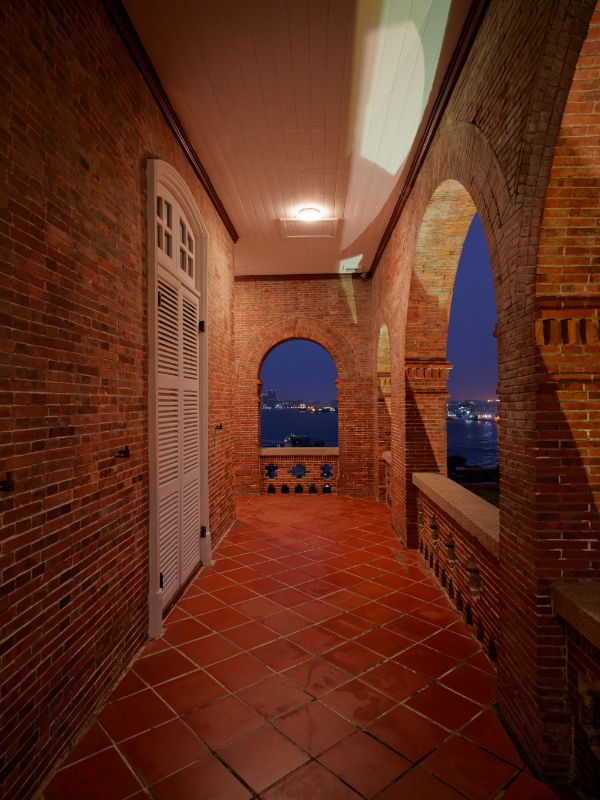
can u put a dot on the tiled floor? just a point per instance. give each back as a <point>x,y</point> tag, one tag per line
<point>317,659</point>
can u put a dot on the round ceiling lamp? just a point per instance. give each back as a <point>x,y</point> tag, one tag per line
<point>309,214</point>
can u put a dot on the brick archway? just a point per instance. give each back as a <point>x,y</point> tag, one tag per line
<point>355,389</point>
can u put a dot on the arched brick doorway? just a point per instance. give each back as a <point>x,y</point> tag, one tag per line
<point>356,476</point>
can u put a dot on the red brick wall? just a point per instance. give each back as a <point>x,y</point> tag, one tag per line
<point>78,126</point>
<point>335,313</point>
<point>497,139</point>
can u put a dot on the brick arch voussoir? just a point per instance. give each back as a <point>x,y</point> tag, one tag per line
<point>275,333</point>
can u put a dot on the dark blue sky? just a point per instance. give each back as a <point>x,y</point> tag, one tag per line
<point>303,370</point>
<point>471,345</point>
<point>300,370</point>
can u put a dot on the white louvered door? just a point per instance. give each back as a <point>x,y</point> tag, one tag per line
<point>178,433</point>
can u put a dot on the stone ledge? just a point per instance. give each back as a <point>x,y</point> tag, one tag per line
<point>578,604</point>
<point>477,517</point>
<point>300,451</point>
<point>387,457</point>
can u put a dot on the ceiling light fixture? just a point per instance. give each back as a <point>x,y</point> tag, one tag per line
<point>309,214</point>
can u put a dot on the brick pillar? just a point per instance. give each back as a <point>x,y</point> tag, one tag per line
<point>550,528</point>
<point>384,427</point>
<point>425,429</point>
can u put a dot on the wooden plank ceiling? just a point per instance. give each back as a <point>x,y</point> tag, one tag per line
<point>303,103</point>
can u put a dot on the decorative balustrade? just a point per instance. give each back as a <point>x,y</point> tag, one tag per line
<point>299,470</point>
<point>458,538</point>
<point>386,457</point>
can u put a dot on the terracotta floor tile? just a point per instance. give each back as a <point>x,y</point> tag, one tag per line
<point>224,721</point>
<point>393,581</point>
<point>352,657</point>
<point>411,734</point>
<point>528,788</point>
<point>214,581</point>
<point>453,644</point>
<point>295,577</point>
<point>274,696</point>
<point>224,618</point>
<point>487,731</point>
<point>317,611</point>
<point>240,671</point>
<point>129,684</point>
<point>394,680</point>
<point>156,753</point>
<point>444,706</point>
<point>185,631</point>
<point>473,771</point>
<point>438,615</point>
<point>209,649</point>
<point>265,585</point>
<point>190,691</point>
<point>155,646</point>
<point>244,574</point>
<point>376,613</point>
<point>286,621</point>
<point>358,702</point>
<point>92,742</point>
<point>162,666</point>
<point>364,763</point>
<point>317,676</point>
<point>251,634</point>
<point>236,594</point>
<point>280,654</point>
<point>103,776</point>
<point>346,600</point>
<point>259,608</point>
<point>316,639</point>
<point>418,784</point>
<point>481,661</point>
<point>347,625</point>
<point>318,587</point>
<point>134,714</point>
<point>366,571</point>
<point>473,683</point>
<point>263,758</point>
<point>425,660</point>
<point>424,591</point>
<point>290,597</point>
<point>401,602</point>
<point>383,641</point>
<point>314,727</point>
<point>201,604</point>
<point>369,589</point>
<point>312,782</point>
<point>343,579</point>
<point>412,627</point>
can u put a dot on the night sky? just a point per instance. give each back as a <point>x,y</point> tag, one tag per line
<point>302,370</point>
<point>471,345</point>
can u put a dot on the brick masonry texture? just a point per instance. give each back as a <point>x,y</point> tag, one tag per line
<point>78,125</point>
<point>333,312</point>
<point>518,142</point>
<point>497,140</point>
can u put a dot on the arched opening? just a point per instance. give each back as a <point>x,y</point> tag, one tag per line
<point>384,412</point>
<point>472,424</point>
<point>298,405</point>
<point>444,228</point>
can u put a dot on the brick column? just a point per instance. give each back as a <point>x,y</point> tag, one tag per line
<point>550,528</point>
<point>384,427</point>
<point>425,429</point>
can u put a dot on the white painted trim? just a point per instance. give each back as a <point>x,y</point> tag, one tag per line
<point>159,173</point>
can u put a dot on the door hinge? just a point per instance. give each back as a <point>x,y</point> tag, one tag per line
<point>159,298</point>
<point>201,326</point>
<point>203,532</point>
<point>160,581</point>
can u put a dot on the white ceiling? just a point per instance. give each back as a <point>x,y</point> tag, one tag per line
<point>303,103</point>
